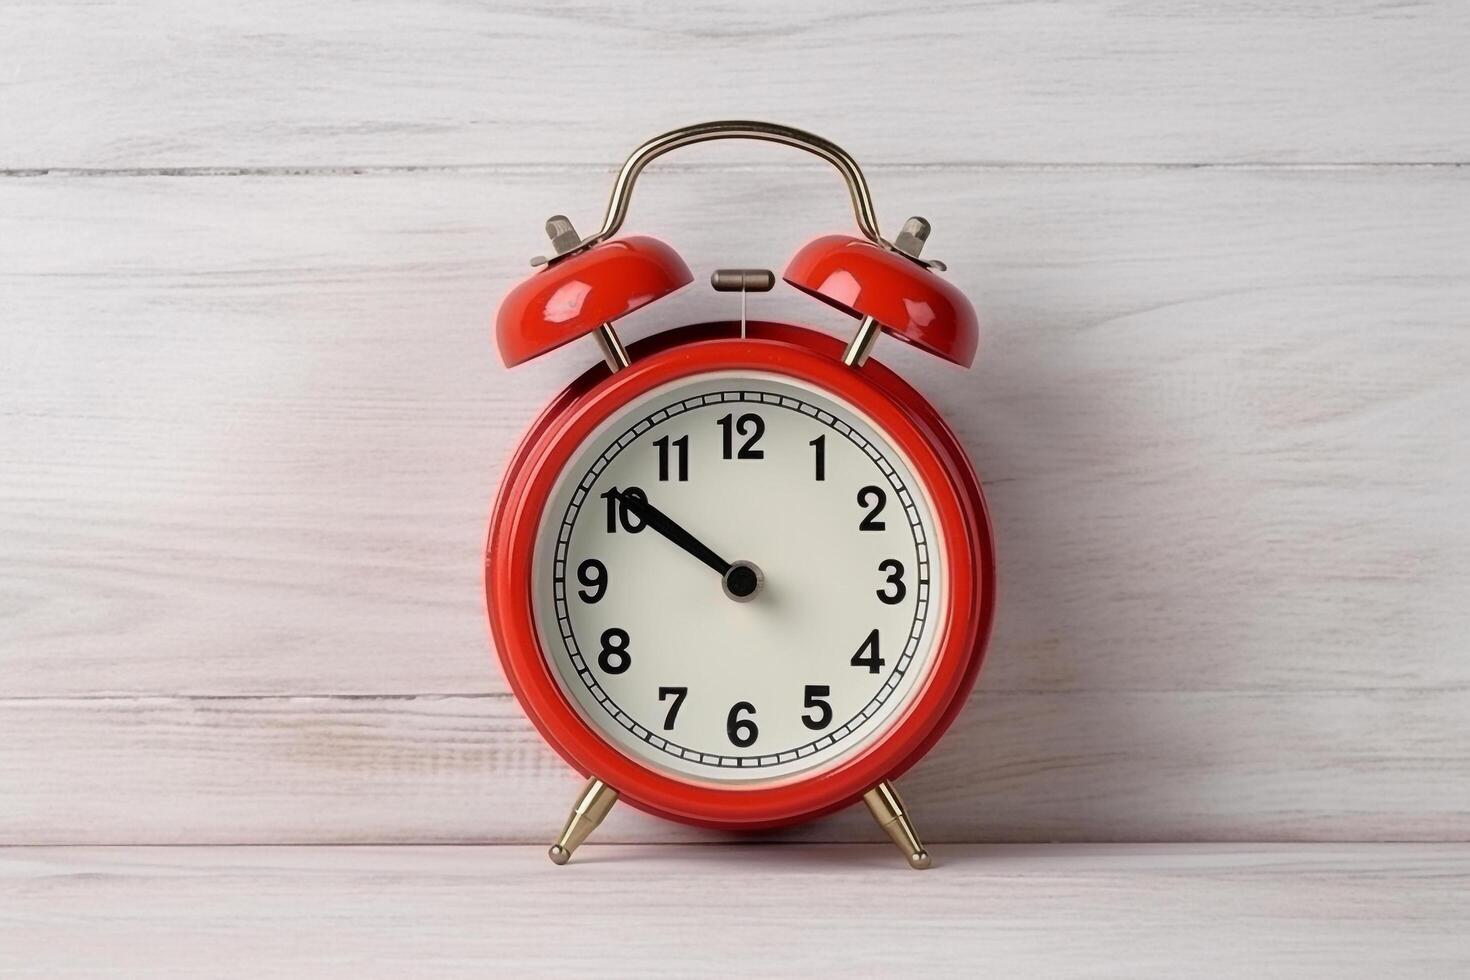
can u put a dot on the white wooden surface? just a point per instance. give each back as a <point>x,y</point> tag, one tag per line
<point>251,421</point>
<point>1153,910</point>
<point>1212,415</point>
<point>169,83</point>
<point>1213,411</point>
<point>1018,767</point>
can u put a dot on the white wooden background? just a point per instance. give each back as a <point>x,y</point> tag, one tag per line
<point>251,418</point>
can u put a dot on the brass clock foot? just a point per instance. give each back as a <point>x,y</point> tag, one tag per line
<point>887,808</point>
<point>592,805</point>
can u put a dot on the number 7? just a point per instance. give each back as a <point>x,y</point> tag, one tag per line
<point>678,694</point>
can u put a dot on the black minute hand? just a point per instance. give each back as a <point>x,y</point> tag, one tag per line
<point>665,525</point>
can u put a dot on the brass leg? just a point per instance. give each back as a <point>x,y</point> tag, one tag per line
<point>596,799</point>
<point>887,808</point>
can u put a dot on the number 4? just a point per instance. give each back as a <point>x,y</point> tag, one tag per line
<point>867,655</point>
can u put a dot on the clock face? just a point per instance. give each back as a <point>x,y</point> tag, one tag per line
<point>737,579</point>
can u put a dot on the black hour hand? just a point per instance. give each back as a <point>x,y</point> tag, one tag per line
<point>665,525</point>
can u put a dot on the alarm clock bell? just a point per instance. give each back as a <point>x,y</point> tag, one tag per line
<point>582,289</point>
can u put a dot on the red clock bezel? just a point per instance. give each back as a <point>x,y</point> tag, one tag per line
<point>899,411</point>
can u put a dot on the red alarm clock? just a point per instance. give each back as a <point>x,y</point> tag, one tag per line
<point>741,574</point>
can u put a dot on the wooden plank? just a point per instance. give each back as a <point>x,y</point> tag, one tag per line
<point>171,84</point>
<point>1153,910</point>
<point>251,426</point>
<point>1354,765</point>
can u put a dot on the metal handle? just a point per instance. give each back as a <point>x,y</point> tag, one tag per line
<point>622,193</point>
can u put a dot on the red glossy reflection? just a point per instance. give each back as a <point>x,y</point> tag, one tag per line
<point>574,296</point>
<point>910,302</point>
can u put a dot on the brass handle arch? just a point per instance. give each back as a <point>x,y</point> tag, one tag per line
<point>622,192</point>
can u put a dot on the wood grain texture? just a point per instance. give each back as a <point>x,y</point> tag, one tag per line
<point>1169,766</point>
<point>252,425</point>
<point>251,421</point>
<point>169,83</point>
<point>1325,910</point>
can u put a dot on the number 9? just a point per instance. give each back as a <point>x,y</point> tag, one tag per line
<point>593,574</point>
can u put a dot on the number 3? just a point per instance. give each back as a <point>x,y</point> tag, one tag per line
<point>894,568</point>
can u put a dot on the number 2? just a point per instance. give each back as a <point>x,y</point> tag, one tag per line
<point>870,520</point>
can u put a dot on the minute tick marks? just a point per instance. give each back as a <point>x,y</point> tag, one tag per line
<point>774,658</point>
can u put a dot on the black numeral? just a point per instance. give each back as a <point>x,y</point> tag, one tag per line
<point>593,574</point>
<point>681,445</point>
<point>678,694</point>
<point>870,521</point>
<point>815,698</point>
<point>749,424</point>
<point>820,445</point>
<point>742,731</point>
<point>867,655</point>
<point>615,658</point>
<point>618,513</point>
<point>894,568</point>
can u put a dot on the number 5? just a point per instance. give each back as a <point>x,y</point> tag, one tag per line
<point>815,693</point>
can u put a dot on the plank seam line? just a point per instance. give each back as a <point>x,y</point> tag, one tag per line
<point>1275,693</point>
<point>885,846</point>
<point>535,169</point>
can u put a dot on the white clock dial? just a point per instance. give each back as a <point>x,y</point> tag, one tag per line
<point>796,659</point>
